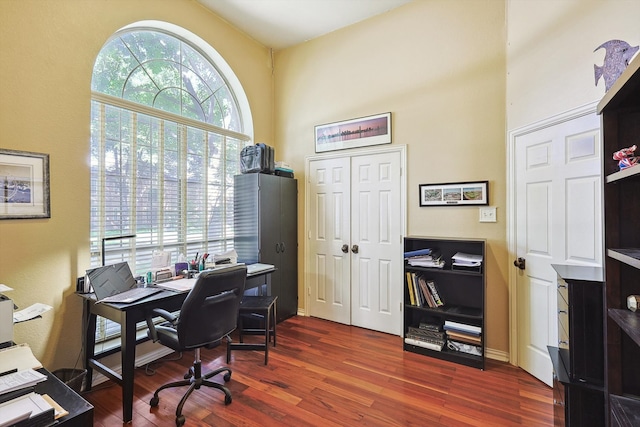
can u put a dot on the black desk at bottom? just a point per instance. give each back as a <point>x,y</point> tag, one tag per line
<point>128,315</point>
<point>80,411</point>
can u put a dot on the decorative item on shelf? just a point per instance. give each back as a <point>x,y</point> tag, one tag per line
<point>625,157</point>
<point>633,302</point>
<point>617,57</point>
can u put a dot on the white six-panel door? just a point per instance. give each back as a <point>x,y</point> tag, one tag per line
<point>376,268</point>
<point>329,238</point>
<point>558,217</point>
<point>354,240</point>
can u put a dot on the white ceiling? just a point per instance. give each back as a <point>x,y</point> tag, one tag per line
<point>283,23</point>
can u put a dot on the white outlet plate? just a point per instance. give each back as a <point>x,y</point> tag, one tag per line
<point>488,214</point>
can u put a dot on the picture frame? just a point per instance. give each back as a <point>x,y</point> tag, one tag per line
<point>360,132</point>
<point>454,194</point>
<point>24,185</point>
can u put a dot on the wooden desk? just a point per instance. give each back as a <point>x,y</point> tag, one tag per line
<point>128,315</point>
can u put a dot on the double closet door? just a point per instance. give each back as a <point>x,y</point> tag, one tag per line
<point>355,224</point>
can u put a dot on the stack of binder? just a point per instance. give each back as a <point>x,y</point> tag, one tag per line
<point>20,405</point>
<point>463,261</point>
<point>426,336</point>
<point>424,258</point>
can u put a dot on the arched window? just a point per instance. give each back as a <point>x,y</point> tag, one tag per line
<point>168,121</point>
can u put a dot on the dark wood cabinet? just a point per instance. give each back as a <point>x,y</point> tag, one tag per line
<point>266,231</point>
<point>578,360</point>
<point>463,292</point>
<point>620,111</point>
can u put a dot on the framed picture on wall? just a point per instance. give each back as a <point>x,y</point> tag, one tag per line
<point>24,185</point>
<point>361,132</point>
<point>454,194</point>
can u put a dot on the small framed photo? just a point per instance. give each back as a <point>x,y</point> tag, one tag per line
<point>24,185</point>
<point>361,132</point>
<point>454,194</point>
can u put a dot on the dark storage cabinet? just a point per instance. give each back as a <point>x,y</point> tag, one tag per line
<point>578,361</point>
<point>266,231</point>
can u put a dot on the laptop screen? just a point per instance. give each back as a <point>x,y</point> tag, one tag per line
<point>111,279</point>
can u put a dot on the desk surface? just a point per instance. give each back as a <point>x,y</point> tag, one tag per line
<point>180,285</point>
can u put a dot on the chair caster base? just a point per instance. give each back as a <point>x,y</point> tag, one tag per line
<point>154,401</point>
<point>180,421</point>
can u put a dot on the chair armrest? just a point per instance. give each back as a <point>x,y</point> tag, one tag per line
<point>165,315</point>
<point>153,334</point>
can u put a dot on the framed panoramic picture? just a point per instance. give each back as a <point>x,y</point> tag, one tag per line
<point>454,194</point>
<point>361,132</point>
<point>24,185</point>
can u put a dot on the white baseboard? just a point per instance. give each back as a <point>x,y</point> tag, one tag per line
<point>499,355</point>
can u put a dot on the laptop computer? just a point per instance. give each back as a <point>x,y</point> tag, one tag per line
<point>115,283</point>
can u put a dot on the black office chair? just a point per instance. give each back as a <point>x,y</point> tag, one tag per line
<point>208,315</point>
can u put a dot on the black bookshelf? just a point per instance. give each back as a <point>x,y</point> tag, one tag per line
<point>620,111</point>
<point>461,289</point>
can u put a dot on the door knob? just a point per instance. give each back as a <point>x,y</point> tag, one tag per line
<point>354,249</point>
<point>520,263</point>
<point>345,248</point>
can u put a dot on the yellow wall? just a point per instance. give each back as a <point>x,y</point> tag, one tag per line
<point>48,49</point>
<point>439,67</point>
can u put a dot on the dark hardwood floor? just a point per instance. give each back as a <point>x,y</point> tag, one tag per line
<point>327,374</point>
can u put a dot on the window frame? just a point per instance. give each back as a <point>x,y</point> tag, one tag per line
<point>106,331</point>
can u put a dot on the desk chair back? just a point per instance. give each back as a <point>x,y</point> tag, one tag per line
<point>210,311</point>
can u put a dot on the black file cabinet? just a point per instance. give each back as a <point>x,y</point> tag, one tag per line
<point>266,231</point>
<point>578,360</point>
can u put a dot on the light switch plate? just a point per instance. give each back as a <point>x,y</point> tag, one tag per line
<point>488,214</point>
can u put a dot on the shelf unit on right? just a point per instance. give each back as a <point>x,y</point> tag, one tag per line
<point>620,111</point>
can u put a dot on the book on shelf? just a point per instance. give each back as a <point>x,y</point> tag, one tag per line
<point>429,262</point>
<point>466,338</point>
<point>462,327</point>
<point>420,300</point>
<point>429,257</point>
<point>424,344</point>
<point>418,252</point>
<point>430,326</point>
<point>431,285</point>
<point>425,333</point>
<point>427,295</point>
<point>464,348</point>
<point>461,259</point>
<point>412,298</point>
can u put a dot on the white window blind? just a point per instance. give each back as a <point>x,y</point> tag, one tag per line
<point>166,138</point>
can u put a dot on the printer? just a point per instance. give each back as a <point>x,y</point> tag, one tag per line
<point>6,319</point>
